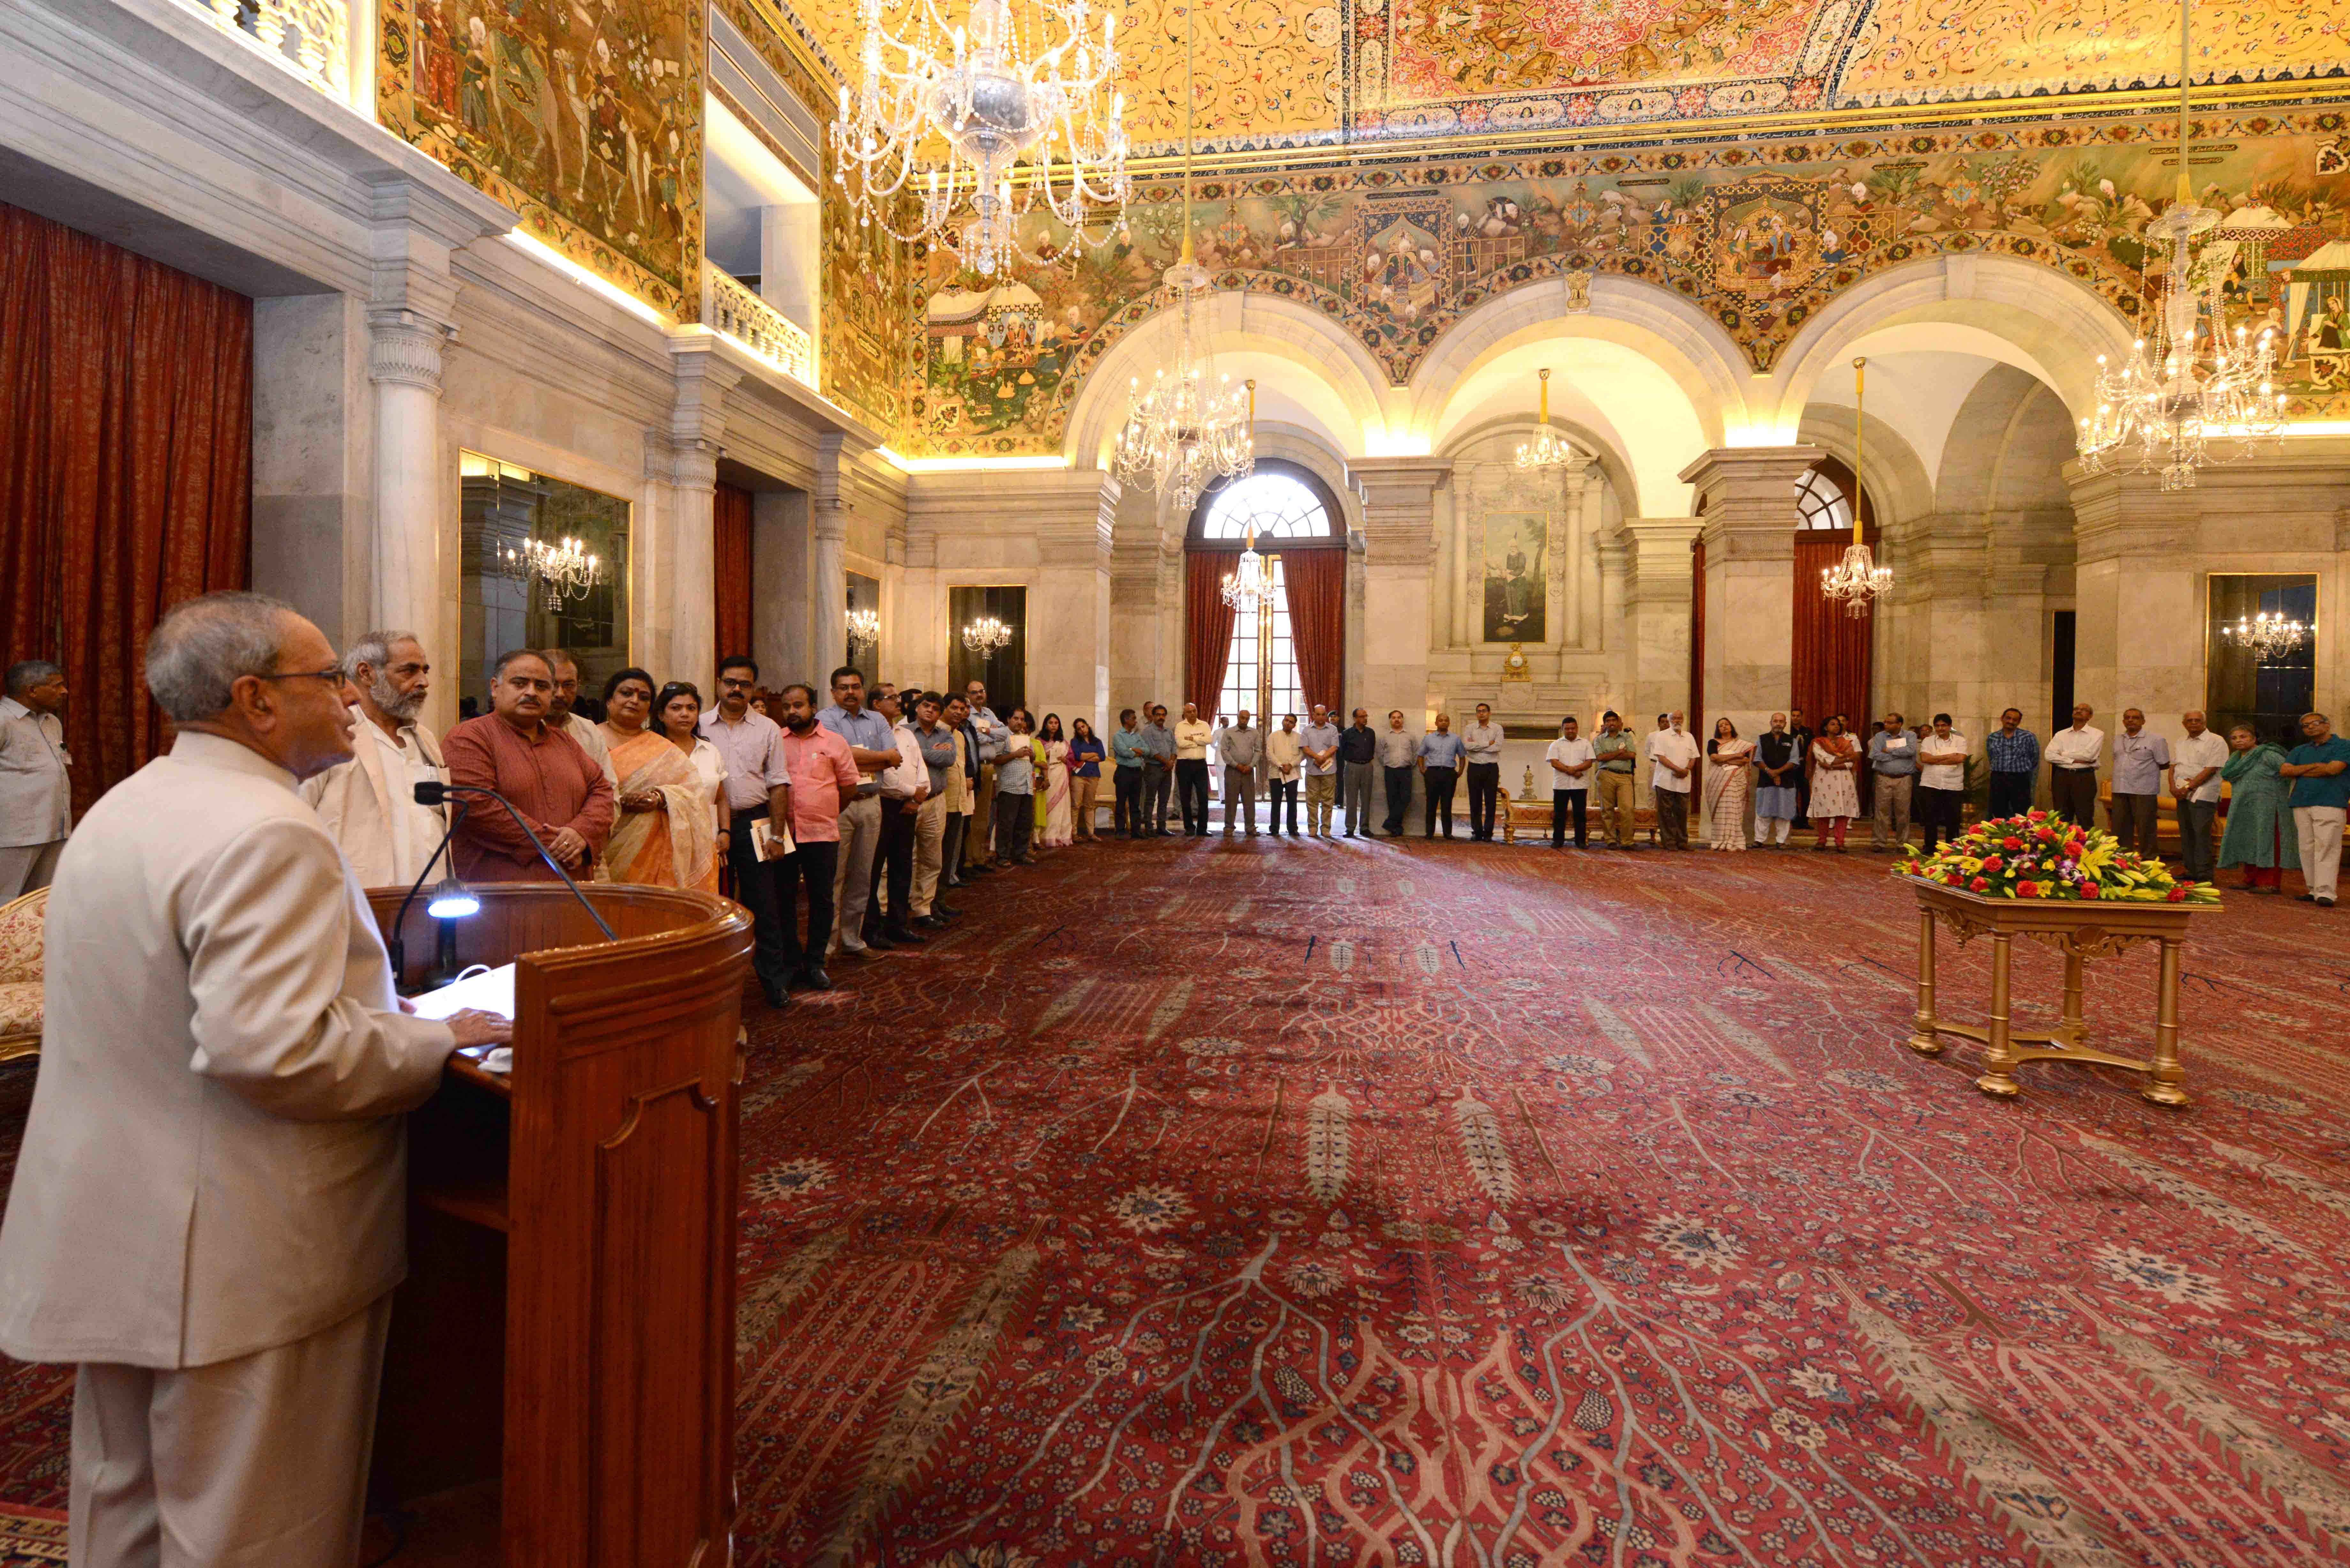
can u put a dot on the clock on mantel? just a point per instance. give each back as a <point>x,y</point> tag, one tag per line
<point>1515,668</point>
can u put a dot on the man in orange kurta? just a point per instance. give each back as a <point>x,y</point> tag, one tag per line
<point>560,791</point>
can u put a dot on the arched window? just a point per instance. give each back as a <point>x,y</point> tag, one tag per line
<point>1821,502</point>
<point>1293,515</point>
<point>1281,503</point>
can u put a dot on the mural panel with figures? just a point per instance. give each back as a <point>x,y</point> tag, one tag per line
<point>587,122</point>
<point>1759,235</point>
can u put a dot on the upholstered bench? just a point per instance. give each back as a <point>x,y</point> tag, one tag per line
<point>20,974</point>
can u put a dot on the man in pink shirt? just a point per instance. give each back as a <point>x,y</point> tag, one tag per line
<point>560,791</point>
<point>824,777</point>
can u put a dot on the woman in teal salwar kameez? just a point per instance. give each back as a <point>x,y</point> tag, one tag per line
<point>2256,838</point>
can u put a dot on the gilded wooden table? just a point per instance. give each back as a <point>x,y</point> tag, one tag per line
<point>2081,931</point>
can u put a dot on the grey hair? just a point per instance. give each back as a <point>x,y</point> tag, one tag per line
<point>373,649</point>
<point>25,674</point>
<point>204,646</point>
<point>2323,718</point>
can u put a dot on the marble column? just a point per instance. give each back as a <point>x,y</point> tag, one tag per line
<point>681,591</point>
<point>828,557</point>
<point>1068,616</point>
<point>1398,579</point>
<point>404,350</point>
<point>1656,591</point>
<point>1749,529</point>
<point>2137,594</point>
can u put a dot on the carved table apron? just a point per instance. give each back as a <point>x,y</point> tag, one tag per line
<point>2081,931</point>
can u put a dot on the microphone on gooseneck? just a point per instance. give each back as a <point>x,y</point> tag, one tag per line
<point>430,791</point>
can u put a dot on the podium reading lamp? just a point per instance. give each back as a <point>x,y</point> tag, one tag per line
<point>450,900</point>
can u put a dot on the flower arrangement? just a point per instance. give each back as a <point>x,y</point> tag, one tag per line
<point>2041,856</point>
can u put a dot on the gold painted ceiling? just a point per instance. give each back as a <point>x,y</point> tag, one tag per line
<point>1314,73</point>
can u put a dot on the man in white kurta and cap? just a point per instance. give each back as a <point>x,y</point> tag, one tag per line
<point>208,1213</point>
<point>368,803</point>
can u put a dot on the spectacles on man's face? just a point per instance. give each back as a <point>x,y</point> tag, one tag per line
<point>734,683</point>
<point>332,675</point>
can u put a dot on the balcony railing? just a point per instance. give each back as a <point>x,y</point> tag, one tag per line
<point>312,38</point>
<point>733,310</point>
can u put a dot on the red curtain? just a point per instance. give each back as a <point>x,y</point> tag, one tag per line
<point>1207,628</point>
<point>1830,656</point>
<point>730,560</point>
<point>126,470</point>
<point>1316,581</point>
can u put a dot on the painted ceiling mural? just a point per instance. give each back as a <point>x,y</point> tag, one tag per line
<point>1759,235</point>
<point>1306,73</point>
<point>586,121</point>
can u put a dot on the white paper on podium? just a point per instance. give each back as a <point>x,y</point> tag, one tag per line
<point>482,990</point>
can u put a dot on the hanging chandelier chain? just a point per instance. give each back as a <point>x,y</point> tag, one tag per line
<point>2164,408</point>
<point>1858,581</point>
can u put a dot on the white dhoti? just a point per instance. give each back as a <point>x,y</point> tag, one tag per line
<point>256,1462</point>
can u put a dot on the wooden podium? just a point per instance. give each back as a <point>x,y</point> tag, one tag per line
<point>559,1383</point>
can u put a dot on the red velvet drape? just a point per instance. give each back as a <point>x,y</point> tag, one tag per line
<point>126,470</point>
<point>1316,581</point>
<point>730,531</point>
<point>1207,628</point>
<point>1830,656</point>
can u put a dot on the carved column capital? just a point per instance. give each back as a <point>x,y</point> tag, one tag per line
<point>404,349</point>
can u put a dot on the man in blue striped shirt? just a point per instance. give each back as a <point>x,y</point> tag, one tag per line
<point>1441,752</point>
<point>2014,754</point>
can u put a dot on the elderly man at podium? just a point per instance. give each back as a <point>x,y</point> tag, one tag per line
<point>208,1214</point>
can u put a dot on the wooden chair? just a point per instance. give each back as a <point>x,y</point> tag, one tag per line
<point>20,974</point>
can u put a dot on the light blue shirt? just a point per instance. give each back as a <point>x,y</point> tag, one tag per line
<point>1441,749</point>
<point>866,730</point>
<point>1128,747</point>
<point>1893,756</point>
<point>1320,737</point>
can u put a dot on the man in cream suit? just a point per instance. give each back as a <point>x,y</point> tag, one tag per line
<point>208,1211</point>
<point>35,795</point>
<point>368,803</point>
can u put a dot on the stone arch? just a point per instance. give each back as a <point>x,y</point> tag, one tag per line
<point>1339,397</point>
<point>2008,448</point>
<point>1899,489</point>
<point>1655,322</point>
<point>1615,465</point>
<point>2034,317</point>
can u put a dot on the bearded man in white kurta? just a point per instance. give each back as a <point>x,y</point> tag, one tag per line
<point>208,1213</point>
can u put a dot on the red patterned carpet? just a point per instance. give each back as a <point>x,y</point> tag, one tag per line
<point>1342,1203</point>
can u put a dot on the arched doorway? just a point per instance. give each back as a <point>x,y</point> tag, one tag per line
<point>1829,662</point>
<point>1291,653</point>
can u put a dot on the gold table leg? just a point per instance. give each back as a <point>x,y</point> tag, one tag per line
<point>1999,1058</point>
<point>1924,1041</point>
<point>2073,1028</point>
<point>2168,1076</point>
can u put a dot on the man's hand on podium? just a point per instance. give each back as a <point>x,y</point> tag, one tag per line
<point>474,1029</point>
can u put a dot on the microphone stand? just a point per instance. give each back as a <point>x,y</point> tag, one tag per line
<point>434,794</point>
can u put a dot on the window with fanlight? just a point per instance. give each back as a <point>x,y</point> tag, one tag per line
<point>1283,508</point>
<point>1821,503</point>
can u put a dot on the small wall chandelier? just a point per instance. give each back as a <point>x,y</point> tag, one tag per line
<point>565,570</point>
<point>1548,449</point>
<point>2159,410</point>
<point>996,100</point>
<point>1857,579</point>
<point>2267,638</point>
<point>987,636</point>
<point>1191,427</point>
<point>864,629</point>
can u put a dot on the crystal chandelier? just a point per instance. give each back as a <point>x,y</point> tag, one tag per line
<point>2157,410</point>
<point>864,629</point>
<point>998,99</point>
<point>565,570</point>
<point>1248,585</point>
<point>1858,580</point>
<point>1548,449</point>
<point>987,636</point>
<point>1191,427</point>
<point>2267,638</point>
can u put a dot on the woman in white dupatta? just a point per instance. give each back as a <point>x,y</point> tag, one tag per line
<point>1730,760</point>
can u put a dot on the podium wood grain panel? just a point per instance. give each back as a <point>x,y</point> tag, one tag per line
<point>610,1156</point>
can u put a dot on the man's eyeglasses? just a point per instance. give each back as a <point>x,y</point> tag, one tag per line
<point>332,676</point>
<point>733,685</point>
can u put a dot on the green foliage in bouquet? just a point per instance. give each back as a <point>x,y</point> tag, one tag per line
<point>2041,856</point>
